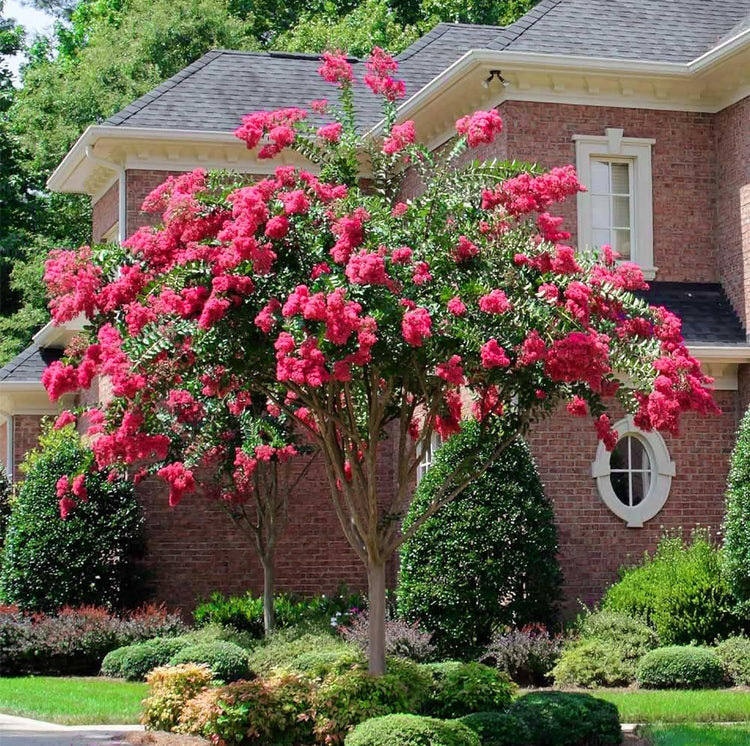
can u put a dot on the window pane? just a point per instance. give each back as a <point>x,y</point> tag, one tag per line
<point>599,177</point>
<point>619,456</point>
<point>620,178</point>
<point>600,237</point>
<point>639,455</point>
<point>600,217</point>
<point>620,212</point>
<point>621,242</point>
<point>641,484</point>
<point>620,486</point>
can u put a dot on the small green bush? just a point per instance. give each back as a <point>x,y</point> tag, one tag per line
<point>630,633</point>
<point>87,559</point>
<point>678,667</point>
<point>488,559</point>
<point>227,661</point>
<point>6,493</point>
<point>591,663</point>
<point>411,730</point>
<point>734,654</point>
<point>498,729</point>
<point>567,719</point>
<point>170,689</point>
<point>681,592</point>
<point>285,646</point>
<point>112,663</point>
<point>463,688</point>
<point>342,702</point>
<point>736,550</point>
<point>143,657</point>
<point>321,664</point>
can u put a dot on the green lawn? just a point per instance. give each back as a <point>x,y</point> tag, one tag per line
<point>703,706</point>
<point>72,701</point>
<point>699,735</point>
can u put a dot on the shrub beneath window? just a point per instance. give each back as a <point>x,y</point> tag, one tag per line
<point>402,639</point>
<point>411,730</point>
<point>681,592</point>
<point>527,655</point>
<point>170,690</point>
<point>227,661</point>
<point>736,551</point>
<point>567,719</point>
<point>74,641</point>
<point>88,558</point>
<point>245,613</point>
<point>463,688</point>
<point>734,654</point>
<point>680,667</point>
<point>498,729</point>
<point>485,561</point>
<point>263,711</point>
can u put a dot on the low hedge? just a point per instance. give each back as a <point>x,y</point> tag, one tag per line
<point>498,729</point>
<point>680,667</point>
<point>734,654</point>
<point>411,730</point>
<point>568,719</point>
<point>227,661</point>
<point>463,688</point>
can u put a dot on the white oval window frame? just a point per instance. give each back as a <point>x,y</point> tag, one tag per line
<point>663,471</point>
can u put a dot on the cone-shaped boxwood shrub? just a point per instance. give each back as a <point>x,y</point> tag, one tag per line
<point>680,667</point>
<point>411,730</point>
<point>227,661</point>
<point>88,558</point>
<point>487,559</point>
<point>681,592</point>
<point>736,554</point>
<point>462,688</point>
<point>498,729</point>
<point>568,719</point>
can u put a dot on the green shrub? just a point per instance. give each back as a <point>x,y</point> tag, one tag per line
<point>86,559</point>
<point>320,664</point>
<point>591,663</point>
<point>734,654</point>
<point>245,613</point>
<point>681,592</point>
<point>463,688</point>
<point>343,701</point>
<point>527,655</point>
<point>607,651</point>
<point>498,729</point>
<point>112,663</point>
<point>567,719</point>
<point>736,552</point>
<point>485,561</point>
<point>680,667</point>
<point>143,657</point>
<point>285,646</point>
<point>214,632</point>
<point>6,493</point>
<point>274,711</point>
<point>411,730</point>
<point>227,661</point>
<point>170,689</point>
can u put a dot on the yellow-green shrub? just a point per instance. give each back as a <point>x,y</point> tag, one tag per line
<point>170,689</point>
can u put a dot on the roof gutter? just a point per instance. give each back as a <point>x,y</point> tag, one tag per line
<point>720,354</point>
<point>720,51</point>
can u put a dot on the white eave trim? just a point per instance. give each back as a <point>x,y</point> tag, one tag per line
<point>720,353</point>
<point>21,386</point>
<point>731,45</point>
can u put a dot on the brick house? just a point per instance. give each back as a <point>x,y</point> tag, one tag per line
<point>650,99</point>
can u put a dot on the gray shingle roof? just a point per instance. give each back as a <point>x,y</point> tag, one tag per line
<point>29,365</point>
<point>706,313</point>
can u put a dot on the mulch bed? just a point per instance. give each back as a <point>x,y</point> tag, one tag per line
<point>159,738</point>
<point>631,739</point>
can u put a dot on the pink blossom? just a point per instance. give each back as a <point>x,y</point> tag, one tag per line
<point>451,371</point>
<point>378,77</point>
<point>416,326</point>
<point>493,356</point>
<point>400,137</point>
<point>605,433</point>
<point>277,227</point>
<point>456,306</point>
<point>78,488</point>
<point>465,250</point>
<point>496,302</point>
<point>578,407</point>
<point>64,419</point>
<point>295,202</point>
<point>402,255</point>
<point>330,132</point>
<point>421,275</point>
<point>399,209</point>
<point>367,268</point>
<point>336,69</point>
<point>180,480</point>
<point>480,127</point>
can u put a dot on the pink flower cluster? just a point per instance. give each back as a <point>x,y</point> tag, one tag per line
<point>379,78</point>
<point>277,126</point>
<point>401,136</point>
<point>480,127</point>
<point>336,69</point>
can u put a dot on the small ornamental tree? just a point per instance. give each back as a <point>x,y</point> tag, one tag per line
<point>366,319</point>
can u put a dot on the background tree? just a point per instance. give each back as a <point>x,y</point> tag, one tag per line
<point>487,560</point>
<point>366,320</point>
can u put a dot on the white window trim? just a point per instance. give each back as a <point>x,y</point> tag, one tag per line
<point>637,150</point>
<point>661,480</point>
<point>427,457</point>
<point>112,235</point>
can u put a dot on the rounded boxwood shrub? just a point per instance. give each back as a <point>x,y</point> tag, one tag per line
<point>736,551</point>
<point>139,659</point>
<point>734,654</point>
<point>680,667</point>
<point>591,663</point>
<point>411,730</point>
<point>227,661</point>
<point>498,729</point>
<point>568,719</point>
<point>463,688</point>
<point>681,592</point>
<point>487,559</point>
<point>112,663</point>
<point>90,558</point>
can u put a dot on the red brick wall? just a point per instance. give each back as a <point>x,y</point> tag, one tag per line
<point>594,542</point>
<point>105,212</point>
<point>26,429</point>
<point>139,184</point>
<point>732,131</point>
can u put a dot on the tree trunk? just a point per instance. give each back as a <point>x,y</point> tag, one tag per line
<point>268,591</point>
<point>376,616</point>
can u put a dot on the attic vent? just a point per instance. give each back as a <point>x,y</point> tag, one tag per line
<point>302,56</point>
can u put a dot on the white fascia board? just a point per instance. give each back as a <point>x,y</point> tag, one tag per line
<point>720,51</point>
<point>21,386</point>
<point>721,354</point>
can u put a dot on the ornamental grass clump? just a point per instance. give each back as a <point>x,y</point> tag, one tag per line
<point>341,309</point>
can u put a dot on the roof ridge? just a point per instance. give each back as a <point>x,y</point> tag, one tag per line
<point>511,33</point>
<point>135,106</point>
<point>424,41</point>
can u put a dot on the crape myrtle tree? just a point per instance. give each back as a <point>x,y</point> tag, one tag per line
<point>368,320</point>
